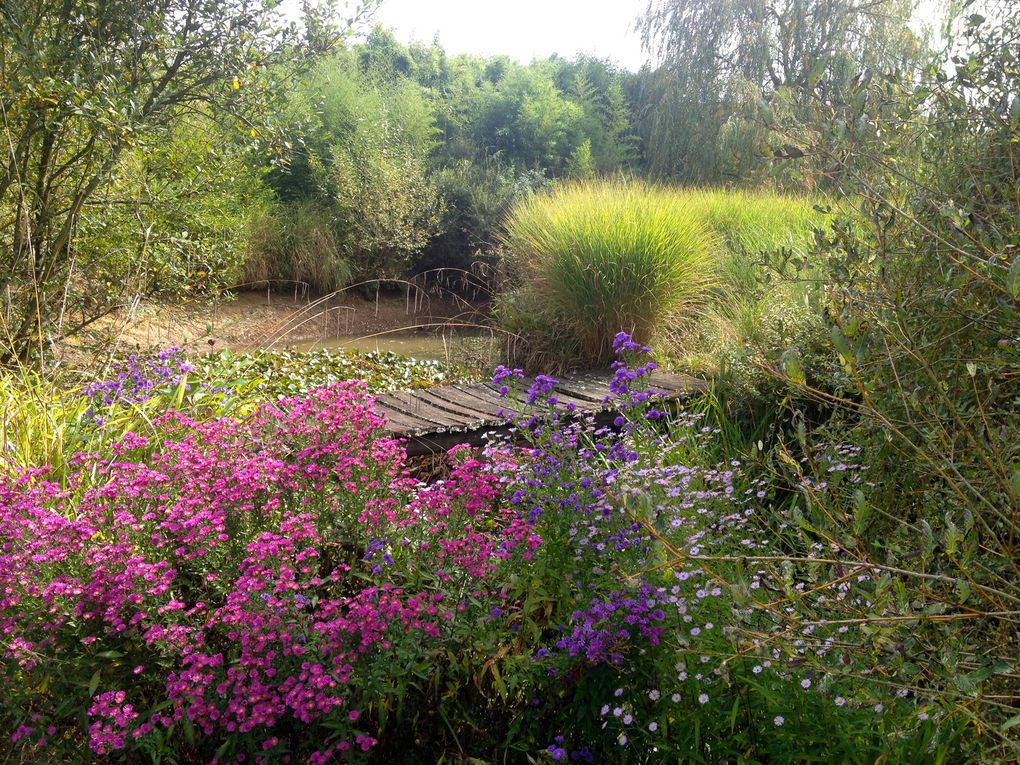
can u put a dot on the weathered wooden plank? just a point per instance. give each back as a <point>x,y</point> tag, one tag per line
<point>420,407</point>
<point>592,396</point>
<point>433,397</point>
<point>439,418</point>
<point>402,424</point>
<point>491,399</point>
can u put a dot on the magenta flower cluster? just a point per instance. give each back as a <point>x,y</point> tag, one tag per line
<point>238,577</point>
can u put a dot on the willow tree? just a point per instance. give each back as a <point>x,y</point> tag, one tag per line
<point>83,83</point>
<point>732,71</point>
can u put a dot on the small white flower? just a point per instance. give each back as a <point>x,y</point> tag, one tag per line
<point>805,683</point>
<point>653,695</point>
<point>778,720</point>
<point>840,701</point>
<point>703,698</point>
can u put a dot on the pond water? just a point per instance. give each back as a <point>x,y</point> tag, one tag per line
<point>448,346</point>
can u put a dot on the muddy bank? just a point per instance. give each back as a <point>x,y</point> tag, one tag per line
<point>258,320</point>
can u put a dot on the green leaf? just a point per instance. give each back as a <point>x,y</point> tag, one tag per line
<point>842,344</point>
<point>1012,722</point>
<point>817,71</point>
<point>224,748</point>
<point>792,367</point>
<point>962,590</point>
<point>1013,278</point>
<point>862,512</point>
<point>94,684</point>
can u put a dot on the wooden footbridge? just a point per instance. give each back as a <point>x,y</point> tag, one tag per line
<point>436,419</point>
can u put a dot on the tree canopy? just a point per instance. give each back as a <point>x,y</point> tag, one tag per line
<point>731,69</point>
<point>84,84</point>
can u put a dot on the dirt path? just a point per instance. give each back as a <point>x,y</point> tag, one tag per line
<point>252,320</point>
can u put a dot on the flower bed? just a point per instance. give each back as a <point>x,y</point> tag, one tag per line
<point>274,587</point>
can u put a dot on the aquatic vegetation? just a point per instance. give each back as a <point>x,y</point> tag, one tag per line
<point>288,373</point>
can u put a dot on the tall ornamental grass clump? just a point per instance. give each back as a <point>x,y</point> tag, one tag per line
<point>606,255</point>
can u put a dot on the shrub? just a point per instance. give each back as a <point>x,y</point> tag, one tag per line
<point>241,581</point>
<point>611,254</point>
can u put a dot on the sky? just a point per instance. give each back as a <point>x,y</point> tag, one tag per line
<point>522,29</point>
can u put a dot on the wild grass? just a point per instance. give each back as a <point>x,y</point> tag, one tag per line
<point>611,256</point>
<point>39,423</point>
<point>297,243</point>
<point>685,266</point>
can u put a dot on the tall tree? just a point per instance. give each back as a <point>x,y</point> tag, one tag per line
<point>82,83</point>
<point>730,67</point>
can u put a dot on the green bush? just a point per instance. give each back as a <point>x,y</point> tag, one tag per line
<point>611,256</point>
<point>359,168</point>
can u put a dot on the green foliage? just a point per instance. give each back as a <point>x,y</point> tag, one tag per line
<point>908,358</point>
<point>752,309</point>
<point>361,163</point>
<point>177,219</point>
<point>87,91</point>
<point>747,230</point>
<point>611,257</point>
<point>283,373</point>
<point>297,243</point>
<point>524,118</point>
<point>38,424</point>
<point>479,196</point>
<point>580,164</point>
<point>752,223</point>
<point>738,79</point>
<point>416,157</point>
<point>47,419</point>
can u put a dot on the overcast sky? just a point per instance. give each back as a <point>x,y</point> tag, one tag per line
<point>527,29</point>
<point>522,29</point>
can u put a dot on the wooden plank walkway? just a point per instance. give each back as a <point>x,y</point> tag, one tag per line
<point>436,419</point>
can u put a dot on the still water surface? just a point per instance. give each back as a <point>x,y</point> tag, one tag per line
<point>419,345</point>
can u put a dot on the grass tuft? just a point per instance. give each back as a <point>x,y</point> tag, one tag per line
<point>611,256</point>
